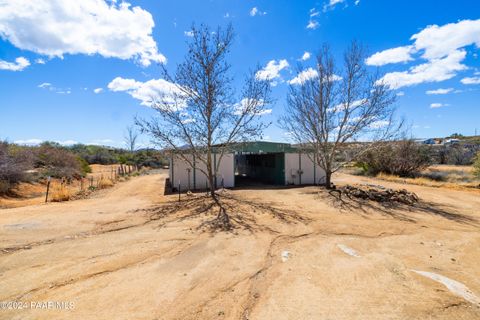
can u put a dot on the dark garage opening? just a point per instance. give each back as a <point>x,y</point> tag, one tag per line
<point>260,169</point>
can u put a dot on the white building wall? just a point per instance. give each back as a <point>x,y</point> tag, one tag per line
<point>201,181</point>
<point>291,168</point>
<point>307,168</point>
<point>226,171</point>
<point>181,176</point>
<point>179,167</point>
<point>295,162</point>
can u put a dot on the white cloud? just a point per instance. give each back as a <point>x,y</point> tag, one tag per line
<point>313,24</point>
<point>441,47</point>
<point>439,91</point>
<point>101,142</point>
<point>395,55</point>
<point>29,142</point>
<point>470,80</point>
<point>98,90</point>
<point>247,104</point>
<point>438,105</point>
<point>441,41</point>
<point>255,12</point>
<point>435,70</point>
<point>36,142</point>
<point>306,56</point>
<point>45,85</point>
<point>19,64</point>
<point>331,4</point>
<point>55,28</point>
<point>40,61</point>
<point>400,94</point>
<point>314,13</point>
<point>304,75</point>
<point>309,74</point>
<point>48,86</point>
<point>146,92</point>
<point>379,124</point>
<point>188,33</point>
<point>67,142</point>
<point>272,70</point>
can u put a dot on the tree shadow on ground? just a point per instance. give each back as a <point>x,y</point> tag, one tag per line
<point>395,209</point>
<point>243,214</point>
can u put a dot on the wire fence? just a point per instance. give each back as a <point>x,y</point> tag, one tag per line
<point>64,189</point>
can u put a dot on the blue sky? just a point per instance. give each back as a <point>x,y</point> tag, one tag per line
<point>54,54</point>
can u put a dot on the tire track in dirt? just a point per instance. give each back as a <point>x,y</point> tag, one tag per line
<point>259,285</point>
<point>149,257</point>
<point>85,234</point>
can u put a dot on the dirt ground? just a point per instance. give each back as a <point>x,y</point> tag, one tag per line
<point>119,255</point>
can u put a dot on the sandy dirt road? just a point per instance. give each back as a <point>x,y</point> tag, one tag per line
<point>333,261</point>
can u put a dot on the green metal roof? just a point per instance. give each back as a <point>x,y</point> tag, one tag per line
<point>263,147</point>
<point>252,147</point>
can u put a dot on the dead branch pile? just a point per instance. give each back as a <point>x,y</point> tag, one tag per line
<point>379,195</point>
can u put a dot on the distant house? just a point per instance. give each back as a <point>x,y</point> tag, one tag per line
<point>429,141</point>
<point>452,141</point>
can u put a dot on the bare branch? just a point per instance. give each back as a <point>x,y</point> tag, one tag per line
<point>335,110</point>
<point>203,113</point>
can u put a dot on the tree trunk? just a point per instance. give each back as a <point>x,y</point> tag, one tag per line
<point>211,182</point>
<point>328,179</point>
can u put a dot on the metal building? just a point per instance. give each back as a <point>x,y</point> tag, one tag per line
<point>251,163</point>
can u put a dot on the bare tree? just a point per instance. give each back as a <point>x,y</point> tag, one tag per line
<point>202,114</point>
<point>131,136</point>
<point>330,110</point>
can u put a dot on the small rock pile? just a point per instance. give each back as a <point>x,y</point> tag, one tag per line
<point>379,195</point>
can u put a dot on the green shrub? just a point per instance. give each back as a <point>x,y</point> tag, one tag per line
<point>476,165</point>
<point>84,166</point>
<point>403,158</point>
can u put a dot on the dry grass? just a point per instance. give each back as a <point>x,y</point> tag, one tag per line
<point>105,183</point>
<point>450,181</point>
<point>60,192</point>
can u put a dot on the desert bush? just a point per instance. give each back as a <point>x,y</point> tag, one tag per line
<point>476,165</point>
<point>459,155</point>
<point>96,154</point>
<point>403,158</point>
<point>58,162</point>
<point>14,163</point>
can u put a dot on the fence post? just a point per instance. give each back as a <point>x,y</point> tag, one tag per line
<point>48,189</point>
<point>178,191</point>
